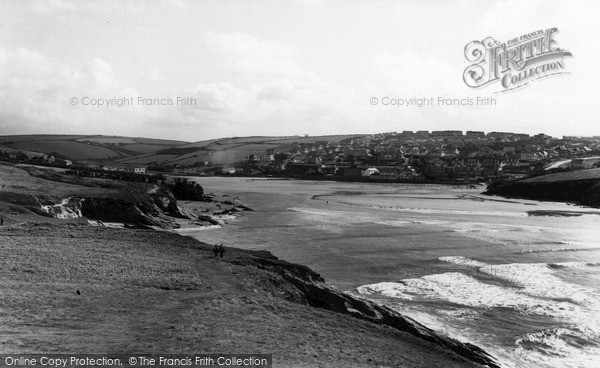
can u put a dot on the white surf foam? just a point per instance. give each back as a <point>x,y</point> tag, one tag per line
<point>540,280</point>
<point>558,347</point>
<point>197,228</point>
<point>509,234</point>
<point>393,222</point>
<point>537,290</point>
<point>575,264</point>
<point>459,260</point>
<point>555,250</point>
<point>222,218</point>
<point>458,288</point>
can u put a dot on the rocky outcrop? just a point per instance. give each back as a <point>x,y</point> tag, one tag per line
<point>186,190</point>
<point>44,205</point>
<point>207,219</point>
<point>316,293</point>
<point>139,209</point>
<point>158,209</point>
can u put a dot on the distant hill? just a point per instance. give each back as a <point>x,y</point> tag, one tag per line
<point>225,150</point>
<point>13,151</point>
<point>82,147</point>
<point>145,151</point>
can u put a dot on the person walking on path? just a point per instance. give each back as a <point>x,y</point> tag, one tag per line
<point>216,250</point>
<point>221,250</point>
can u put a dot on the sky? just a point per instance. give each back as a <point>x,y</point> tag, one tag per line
<point>275,67</point>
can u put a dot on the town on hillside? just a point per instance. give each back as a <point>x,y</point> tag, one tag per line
<point>422,156</point>
<point>440,156</point>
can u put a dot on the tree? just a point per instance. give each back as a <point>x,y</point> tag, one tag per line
<point>184,189</point>
<point>280,157</point>
<point>349,158</point>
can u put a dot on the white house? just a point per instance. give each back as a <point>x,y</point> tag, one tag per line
<point>370,171</point>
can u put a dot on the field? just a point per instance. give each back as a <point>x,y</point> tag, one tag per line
<point>225,150</point>
<point>107,140</point>
<point>69,149</point>
<point>77,147</point>
<point>149,158</point>
<point>143,148</point>
<point>15,151</point>
<point>270,140</point>
<point>39,137</point>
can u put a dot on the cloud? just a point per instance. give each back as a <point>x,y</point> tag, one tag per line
<point>58,7</point>
<point>235,10</point>
<point>36,94</point>
<point>221,98</point>
<point>52,6</point>
<point>246,54</point>
<point>412,74</point>
<point>153,75</point>
<point>311,3</point>
<point>273,92</point>
<point>97,76</point>
<point>35,97</point>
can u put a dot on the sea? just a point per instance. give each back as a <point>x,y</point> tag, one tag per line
<point>519,278</point>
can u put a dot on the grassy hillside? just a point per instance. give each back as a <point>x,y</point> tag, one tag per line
<point>74,288</point>
<point>78,147</point>
<point>71,149</point>
<point>38,137</point>
<point>225,150</point>
<point>12,150</point>
<point>565,176</point>
<point>21,180</point>
<point>144,151</point>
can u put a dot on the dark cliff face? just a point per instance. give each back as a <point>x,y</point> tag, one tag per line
<point>585,192</point>
<point>592,196</point>
<point>157,209</point>
<point>113,210</point>
<point>314,292</point>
